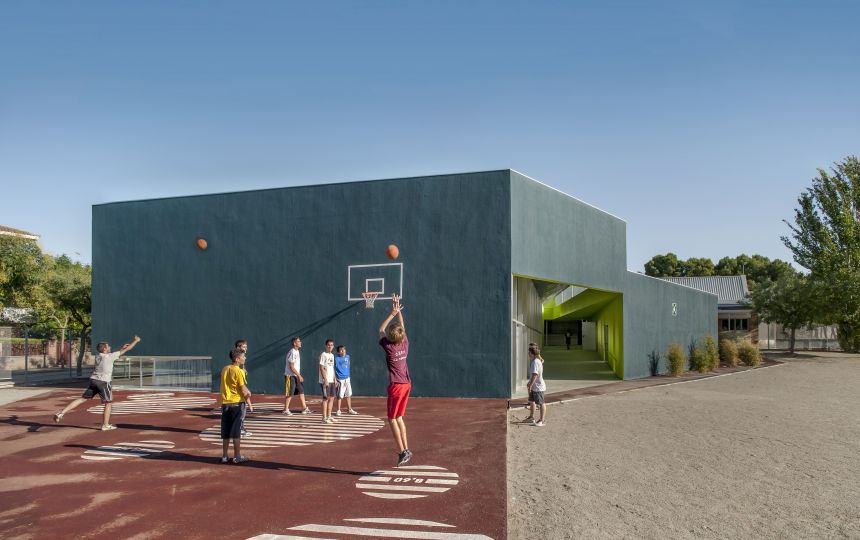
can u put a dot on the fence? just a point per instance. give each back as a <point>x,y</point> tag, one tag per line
<point>163,372</point>
<point>33,354</point>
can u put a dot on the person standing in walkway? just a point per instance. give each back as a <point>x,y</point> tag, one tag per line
<point>235,397</point>
<point>567,336</point>
<point>293,380</point>
<point>536,386</point>
<point>393,340</point>
<point>100,382</point>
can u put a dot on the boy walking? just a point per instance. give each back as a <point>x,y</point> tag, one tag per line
<point>393,340</point>
<point>293,380</point>
<point>235,396</point>
<point>327,381</point>
<point>341,373</point>
<point>100,382</point>
<point>536,387</point>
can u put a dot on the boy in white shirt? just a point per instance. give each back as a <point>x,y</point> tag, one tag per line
<point>329,389</point>
<point>536,386</point>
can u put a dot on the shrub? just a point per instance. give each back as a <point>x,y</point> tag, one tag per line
<point>712,353</point>
<point>729,352</point>
<point>698,358</point>
<point>654,362</point>
<point>749,353</point>
<point>676,358</point>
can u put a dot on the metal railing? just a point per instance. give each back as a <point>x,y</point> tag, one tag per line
<point>163,372</point>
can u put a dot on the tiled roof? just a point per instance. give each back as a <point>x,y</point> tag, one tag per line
<point>729,289</point>
<point>17,232</point>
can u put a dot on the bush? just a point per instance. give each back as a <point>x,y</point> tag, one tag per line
<point>712,353</point>
<point>654,362</point>
<point>749,353</point>
<point>698,358</point>
<point>729,352</point>
<point>676,358</point>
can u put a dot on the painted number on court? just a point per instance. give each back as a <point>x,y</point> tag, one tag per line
<point>408,482</point>
<point>674,309</point>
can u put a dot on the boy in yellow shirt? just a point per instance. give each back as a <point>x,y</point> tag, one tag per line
<point>235,396</point>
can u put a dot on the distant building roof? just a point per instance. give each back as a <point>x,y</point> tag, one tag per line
<point>730,290</point>
<point>9,231</point>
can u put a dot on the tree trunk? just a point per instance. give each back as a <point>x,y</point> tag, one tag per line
<point>791,342</point>
<point>82,350</point>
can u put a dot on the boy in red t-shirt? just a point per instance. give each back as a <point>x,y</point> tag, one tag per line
<point>392,338</point>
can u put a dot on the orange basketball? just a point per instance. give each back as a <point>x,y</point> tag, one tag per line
<point>202,244</point>
<point>392,252</point>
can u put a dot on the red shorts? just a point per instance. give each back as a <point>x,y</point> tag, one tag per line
<point>398,396</point>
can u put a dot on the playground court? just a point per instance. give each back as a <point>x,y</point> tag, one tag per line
<point>159,474</point>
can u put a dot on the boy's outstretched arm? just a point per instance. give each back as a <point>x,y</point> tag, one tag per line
<point>396,308</point>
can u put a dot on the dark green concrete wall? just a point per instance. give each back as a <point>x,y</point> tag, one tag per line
<point>555,237</point>
<point>276,267</point>
<point>649,324</point>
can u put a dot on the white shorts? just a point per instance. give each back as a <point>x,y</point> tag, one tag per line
<point>344,388</point>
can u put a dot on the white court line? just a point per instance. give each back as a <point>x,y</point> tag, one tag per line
<point>375,479</point>
<point>441,481</point>
<point>389,533</point>
<point>100,458</point>
<point>393,495</point>
<point>417,473</point>
<point>430,467</point>
<point>287,537</point>
<point>402,487</point>
<point>399,521</point>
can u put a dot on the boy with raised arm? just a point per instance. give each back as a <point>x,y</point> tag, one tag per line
<point>393,340</point>
<point>100,382</point>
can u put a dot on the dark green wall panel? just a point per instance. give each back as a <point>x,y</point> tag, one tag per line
<point>276,267</point>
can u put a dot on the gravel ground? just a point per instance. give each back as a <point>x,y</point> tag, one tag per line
<point>768,453</point>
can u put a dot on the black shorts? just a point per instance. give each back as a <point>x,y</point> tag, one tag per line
<point>537,397</point>
<point>231,420</point>
<point>99,388</point>
<point>293,385</point>
<point>329,390</point>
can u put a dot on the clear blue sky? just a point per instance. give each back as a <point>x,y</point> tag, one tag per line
<point>699,123</point>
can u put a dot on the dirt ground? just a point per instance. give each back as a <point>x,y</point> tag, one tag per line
<point>768,453</point>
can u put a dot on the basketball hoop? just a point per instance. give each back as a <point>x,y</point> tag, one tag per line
<point>369,298</point>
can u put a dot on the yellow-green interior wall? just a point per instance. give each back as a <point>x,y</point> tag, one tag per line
<point>613,315</point>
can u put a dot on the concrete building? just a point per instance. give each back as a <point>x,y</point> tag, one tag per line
<point>487,262</point>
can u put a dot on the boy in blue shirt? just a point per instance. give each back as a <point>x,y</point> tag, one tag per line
<point>341,373</point>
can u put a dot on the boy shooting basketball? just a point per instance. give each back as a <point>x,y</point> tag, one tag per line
<point>392,338</point>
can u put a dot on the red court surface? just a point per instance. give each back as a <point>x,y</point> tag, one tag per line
<point>159,474</point>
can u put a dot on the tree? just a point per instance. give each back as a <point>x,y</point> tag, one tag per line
<point>22,269</point>
<point>69,288</point>
<point>666,265</point>
<point>789,301</point>
<point>694,266</point>
<point>825,239</point>
<point>757,268</point>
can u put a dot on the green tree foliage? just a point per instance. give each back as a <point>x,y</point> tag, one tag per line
<point>757,268</point>
<point>825,239</point>
<point>22,269</point>
<point>791,300</point>
<point>666,265</point>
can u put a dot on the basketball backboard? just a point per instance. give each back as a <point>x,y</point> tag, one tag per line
<point>385,278</point>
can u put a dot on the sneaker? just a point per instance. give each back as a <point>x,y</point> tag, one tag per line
<point>108,427</point>
<point>329,420</point>
<point>408,455</point>
<point>403,457</point>
<point>538,424</point>
<point>287,412</point>
<point>306,411</point>
<point>529,420</point>
<point>240,459</point>
<point>353,412</point>
<point>225,459</point>
<point>245,433</point>
<point>337,413</point>
<point>58,418</point>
